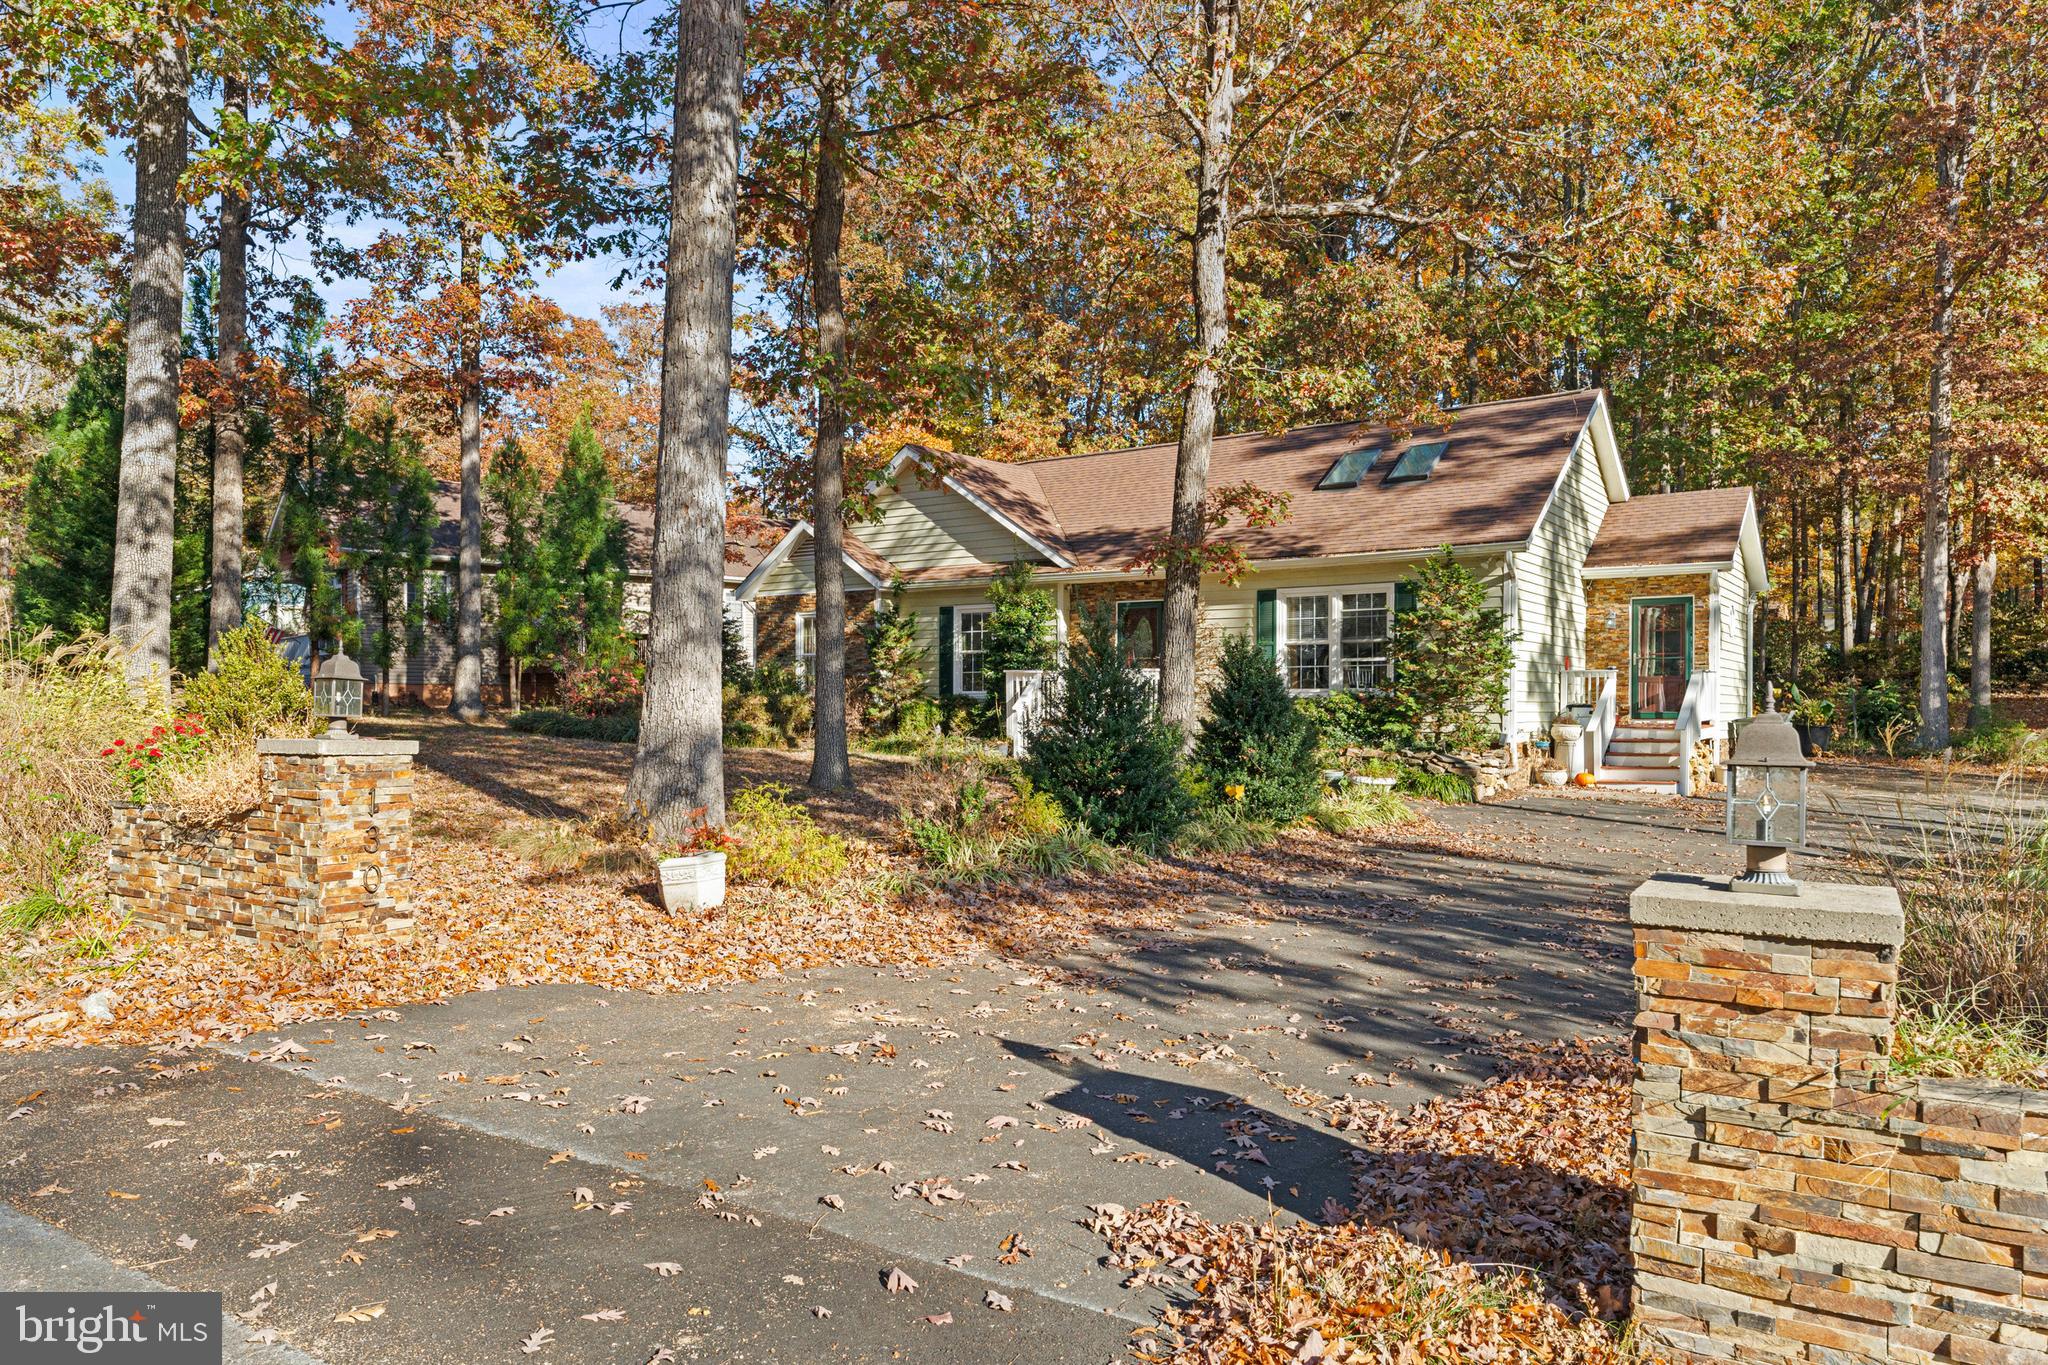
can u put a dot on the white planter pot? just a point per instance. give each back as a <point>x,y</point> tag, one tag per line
<point>1383,783</point>
<point>1334,776</point>
<point>695,881</point>
<point>1552,777</point>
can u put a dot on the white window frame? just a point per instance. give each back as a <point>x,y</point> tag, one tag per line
<point>960,615</point>
<point>804,646</point>
<point>1282,641</point>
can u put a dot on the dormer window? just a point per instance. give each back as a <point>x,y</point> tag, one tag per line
<point>1351,467</point>
<point>1417,462</point>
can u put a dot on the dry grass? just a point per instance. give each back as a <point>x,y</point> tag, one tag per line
<point>60,705</point>
<point>1974,974</point>
<point>227,783</point>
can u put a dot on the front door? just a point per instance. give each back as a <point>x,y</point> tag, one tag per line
<point>1660,656</point>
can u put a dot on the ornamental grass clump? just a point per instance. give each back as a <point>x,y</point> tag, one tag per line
<point>60,706</point>
<point>1973,978</point>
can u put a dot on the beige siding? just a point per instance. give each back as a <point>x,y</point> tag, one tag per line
<point>1551,608</point>
<point>927,528</point>
<point>1731,642</point>
<point>792,577</point>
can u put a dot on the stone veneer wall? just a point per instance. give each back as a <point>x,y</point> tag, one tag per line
<point>775,631</point>
<point>1607,640</point>
<point>321,860</point>
<point>1791,1203</point>
<point>1083,598</point>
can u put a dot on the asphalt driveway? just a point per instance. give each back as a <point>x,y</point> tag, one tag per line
<point>573,1174</point>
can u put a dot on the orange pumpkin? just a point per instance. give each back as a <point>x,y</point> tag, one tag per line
<point>1583,779</point>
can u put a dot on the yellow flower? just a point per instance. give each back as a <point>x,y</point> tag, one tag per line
<point>1234,790</point>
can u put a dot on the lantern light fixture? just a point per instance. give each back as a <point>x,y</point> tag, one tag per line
<point>1767,800</point>
<point>338,693</point>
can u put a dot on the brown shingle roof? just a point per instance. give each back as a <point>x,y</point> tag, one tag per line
<point>1489,487</point>
<point>1700,527</point>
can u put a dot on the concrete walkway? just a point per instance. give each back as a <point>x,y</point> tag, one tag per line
<point>470,1180</point>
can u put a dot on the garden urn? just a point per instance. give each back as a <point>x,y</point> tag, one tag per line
<point>693,881</point>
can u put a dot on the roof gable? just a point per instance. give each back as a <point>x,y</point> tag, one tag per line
<point>1706,526</point>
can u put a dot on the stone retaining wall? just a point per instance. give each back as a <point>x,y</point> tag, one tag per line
<point>320,860</point>
<point>1791,1203</point>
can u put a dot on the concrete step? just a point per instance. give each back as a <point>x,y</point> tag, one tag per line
<point>1665,773</point>
<point>1664,732</point>
<point>1643,746</point>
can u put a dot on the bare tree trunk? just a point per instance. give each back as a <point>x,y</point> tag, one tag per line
<point>1874,533</point>
<point>231,309</point>
<point>1894,554</point>
<point>1208,278</point>
<point>1949,165</point>
<point>830,768</point>
<point>140,611</point>
<point>466,696</point>
<point>1845,566</point>
<point>1983,579</point>
<point>512,671</point>
<point>1798,599</point>
<point>679,767</point>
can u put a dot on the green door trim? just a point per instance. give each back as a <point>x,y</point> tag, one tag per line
<point>1126,605</point>
<point>1635,648</point>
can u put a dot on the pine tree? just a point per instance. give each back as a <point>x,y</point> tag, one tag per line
<point>1018,634</point>
<point>896,672</point>
<point>1451,656</point>
<point>388,526</point>
<point>520,590</point>
<point>583,548</point>
<point>1256,738</point>
<point>1101,750</point>
<point>67,564</point>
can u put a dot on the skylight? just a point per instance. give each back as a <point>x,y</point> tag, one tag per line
<point>1350,468</point>
<point>1417,461</point>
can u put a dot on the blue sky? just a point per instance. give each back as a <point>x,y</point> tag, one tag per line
<point>582,287</point>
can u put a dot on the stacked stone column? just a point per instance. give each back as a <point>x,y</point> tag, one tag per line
<point>321,858</point>
<point>1791,1202</point>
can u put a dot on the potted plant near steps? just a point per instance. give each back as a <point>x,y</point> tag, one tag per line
<point>1813,718</point>
<point>1551,774</point>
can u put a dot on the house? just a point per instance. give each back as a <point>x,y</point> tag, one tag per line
<point>423,665</point>
<point>1637,610</point>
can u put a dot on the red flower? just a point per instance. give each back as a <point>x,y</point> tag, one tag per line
<point>105,752</point>
<point>155,731</point>
<point>120,744</point>
<point>156,753</point>
<point>134,762</point>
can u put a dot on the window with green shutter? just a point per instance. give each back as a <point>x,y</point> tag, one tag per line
<point>945,651</point>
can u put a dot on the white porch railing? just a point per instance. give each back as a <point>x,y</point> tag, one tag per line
<point>1023,704</point>
<point>1698,709</point>
<point>1593,695</point>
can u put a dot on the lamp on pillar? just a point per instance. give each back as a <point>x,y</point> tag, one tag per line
<point>1767,800</point>
<point>338,693</point>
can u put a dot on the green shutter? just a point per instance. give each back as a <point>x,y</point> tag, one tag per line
<point>945,651</point>
<point>1265,621</point>
<point>1404,598</point>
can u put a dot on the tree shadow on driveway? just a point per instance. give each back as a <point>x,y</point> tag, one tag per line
<point>1562,1226</point>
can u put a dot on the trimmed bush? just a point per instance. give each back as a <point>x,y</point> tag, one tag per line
<point>252,690</point>
<point>1101,750</point>
<point>1363,808</point>
<point>1256,748</point>
<point>775,842</point>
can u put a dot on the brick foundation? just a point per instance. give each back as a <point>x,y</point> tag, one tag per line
<point>321,860</point>
<point>1791,1203</point>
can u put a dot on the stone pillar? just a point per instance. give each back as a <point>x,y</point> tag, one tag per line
<point>321,859</point>
<point>1763,1023</point>
<point>1793,1203</point>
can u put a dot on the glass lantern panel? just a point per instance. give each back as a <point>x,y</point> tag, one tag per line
<point>1767,805</point>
